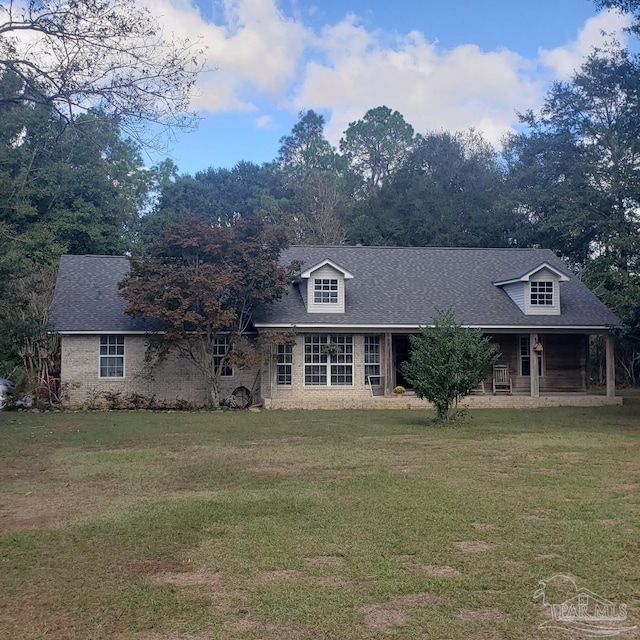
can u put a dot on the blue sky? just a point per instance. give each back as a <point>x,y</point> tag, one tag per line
<point>444,65</point>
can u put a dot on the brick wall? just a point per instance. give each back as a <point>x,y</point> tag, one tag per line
<point>174,381</point>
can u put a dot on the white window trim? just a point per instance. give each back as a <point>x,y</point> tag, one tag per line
<point>217,341</point>
<point>328,364</point>
<point>539,355</point>
<point>334,294</point>
<point>289,364</point>
<point>366,363</point>
<point>552,293</point>
<point>123,356</point>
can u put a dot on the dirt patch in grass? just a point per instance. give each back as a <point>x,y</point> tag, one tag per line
<point>483,526</point>
<point>574,456</point>
<point>34,510</point>
<point>174,635</point>
<point>381,616</point>
<point>612,522</point>
<point>324,561</point>
<point>294,575</point>
<point>393,612</point>
<point>188,578</point>
<point>439,571</point>
<point>406,468</point>
<point>487,614</point>
<point>267,630</point>
<point>473,546</point>
<point>286,441</point>
<point>431,570</point>
<point>494,473</point>
<point>627,486</point>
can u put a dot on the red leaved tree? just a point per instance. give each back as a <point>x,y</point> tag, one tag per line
<point>202,283</point>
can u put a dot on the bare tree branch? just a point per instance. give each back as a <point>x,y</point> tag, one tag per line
<point>108,55</point>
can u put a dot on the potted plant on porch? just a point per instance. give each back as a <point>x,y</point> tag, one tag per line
<point>399,390</point>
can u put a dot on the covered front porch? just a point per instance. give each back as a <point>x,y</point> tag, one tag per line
<point>361,370</point>
<point>537,364</point>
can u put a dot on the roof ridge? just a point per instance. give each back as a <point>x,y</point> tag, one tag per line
<point>90,255</point>
<point>352,246</point>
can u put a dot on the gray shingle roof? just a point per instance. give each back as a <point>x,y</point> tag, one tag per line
<point>391,286</point>
<point>86,296</point>
<point>406,285</point>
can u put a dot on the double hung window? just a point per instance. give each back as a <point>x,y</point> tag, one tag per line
<point>112,356</point>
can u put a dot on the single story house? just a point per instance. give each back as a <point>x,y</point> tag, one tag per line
<point>352,310</point>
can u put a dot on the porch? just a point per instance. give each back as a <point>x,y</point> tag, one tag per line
<point>360,371</point>
<point>534,364</point>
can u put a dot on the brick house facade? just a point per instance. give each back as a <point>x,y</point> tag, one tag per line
<point>351,311</point>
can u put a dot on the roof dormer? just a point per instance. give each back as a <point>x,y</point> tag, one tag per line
<point>326,287</point>
<point>536,292</point>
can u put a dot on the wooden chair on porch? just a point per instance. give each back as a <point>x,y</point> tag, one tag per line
<point>501,379</point>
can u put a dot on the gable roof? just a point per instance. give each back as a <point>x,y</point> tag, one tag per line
<point>406,286</point>
<point>394,287</point>
<point>525,277</point>
<point>86,297</point>
<point>307,273</point>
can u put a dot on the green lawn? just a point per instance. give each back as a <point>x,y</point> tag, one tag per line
<point>338,524</point>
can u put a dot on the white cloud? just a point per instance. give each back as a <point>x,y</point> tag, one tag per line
<point>255,52</point>
<point>564,61</point>
<point>457,89</point>
<point>265,60</point>
<point>437,89</point>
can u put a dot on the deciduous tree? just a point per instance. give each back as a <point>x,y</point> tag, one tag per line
<point>202,283</point>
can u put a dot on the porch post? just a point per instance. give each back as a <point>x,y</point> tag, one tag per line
<point>533,366</point>
<point>388,364</point>
<point>611,367</point>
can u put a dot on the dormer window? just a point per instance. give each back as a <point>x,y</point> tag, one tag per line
<point>325,291</point>
<point>536,292</point>
<point>542,293</point>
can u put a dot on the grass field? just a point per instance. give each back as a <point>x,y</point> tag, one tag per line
<point>178,526</point>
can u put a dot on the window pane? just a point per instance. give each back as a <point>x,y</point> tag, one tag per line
<point>372,360</point>
<point>315,375</point>
<point>220,348</point>
<point>111,367</point>
<point>525,360</point>
<point>542,293</point>
<point>111,356</point>
<point>314,349</point>
<point>285,357</point>
<point>341,374</point>
<point>325,291</point>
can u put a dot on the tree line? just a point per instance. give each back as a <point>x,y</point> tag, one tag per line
<point>73,181</point>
